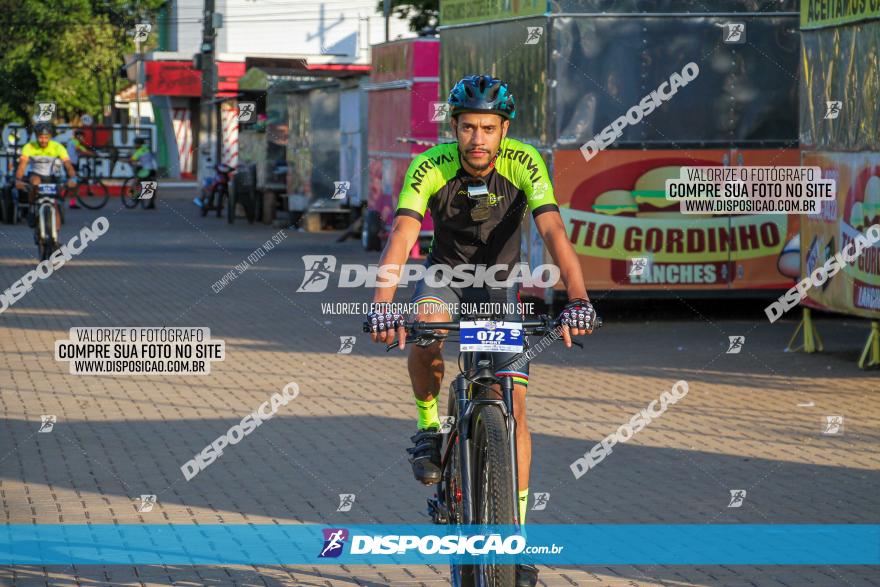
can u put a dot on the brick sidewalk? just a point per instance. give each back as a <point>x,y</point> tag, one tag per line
<point>750,421</point>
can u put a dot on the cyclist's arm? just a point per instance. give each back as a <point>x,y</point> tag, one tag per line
<point>552,231</point>
<point>71,170</point>
<point>404,233</point>
<point>534,180</point>
<point>22,167</point>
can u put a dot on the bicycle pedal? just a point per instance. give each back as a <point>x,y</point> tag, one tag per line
<point>437,511</point>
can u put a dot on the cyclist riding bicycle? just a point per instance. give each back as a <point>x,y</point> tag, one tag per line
<point>478,190</point>
<point>76,148</point>
<point>42,155</point>
<point>144,163</point>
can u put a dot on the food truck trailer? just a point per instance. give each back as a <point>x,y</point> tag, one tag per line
<point>402,92</point>
<point>576,66</point>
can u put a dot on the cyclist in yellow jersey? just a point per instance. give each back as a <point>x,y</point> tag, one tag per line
<point>43,155</point>
<point>478,191</point>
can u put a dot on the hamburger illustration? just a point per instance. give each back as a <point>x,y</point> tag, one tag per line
<point>616,203</point>
<point>650,194</point>
<point>789,262</point>
<point>862,208</point>
<point>636,189</point>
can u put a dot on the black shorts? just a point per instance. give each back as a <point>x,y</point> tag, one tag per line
<point>452,297</point>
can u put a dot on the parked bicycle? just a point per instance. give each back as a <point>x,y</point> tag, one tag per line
<point>216,193</point>
<point>478,482</point>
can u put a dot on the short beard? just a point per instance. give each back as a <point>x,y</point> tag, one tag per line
<point>481,167</point>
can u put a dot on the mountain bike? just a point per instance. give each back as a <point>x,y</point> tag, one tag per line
<point>216,193</point>
<point>478,484</point>
<point>91,192</point>
<point>132,190</point>
<point>48,219</point>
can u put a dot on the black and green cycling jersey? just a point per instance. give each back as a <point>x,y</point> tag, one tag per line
<point>435,181</point>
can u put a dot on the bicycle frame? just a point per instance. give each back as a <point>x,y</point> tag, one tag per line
<point>46,206</point>
<point>467,404</point>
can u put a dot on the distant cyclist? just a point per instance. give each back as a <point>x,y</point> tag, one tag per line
<point>42,155</point>
<point>144,163</point>
<point>76,148</point>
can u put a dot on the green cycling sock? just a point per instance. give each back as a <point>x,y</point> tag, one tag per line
<point>523,504</point>
<point>428,416</point>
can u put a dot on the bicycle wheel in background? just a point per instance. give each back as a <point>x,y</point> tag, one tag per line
<point>131,192</point>
<point>92,195</point>
<point>230,206</point>
<point>220,196</point>
<point>493,489</point>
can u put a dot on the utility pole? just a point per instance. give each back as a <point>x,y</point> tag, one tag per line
<point>386,9</point>
<point>137,86</point>
<point>208,48</point>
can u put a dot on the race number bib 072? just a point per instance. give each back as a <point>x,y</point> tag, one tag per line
<point>491,336</point>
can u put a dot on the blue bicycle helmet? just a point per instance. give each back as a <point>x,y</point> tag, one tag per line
<point>482,93</point>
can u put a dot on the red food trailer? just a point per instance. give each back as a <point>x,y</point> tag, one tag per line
<point>402,90</point>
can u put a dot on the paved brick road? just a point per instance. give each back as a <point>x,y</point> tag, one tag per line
<point>744,424</point>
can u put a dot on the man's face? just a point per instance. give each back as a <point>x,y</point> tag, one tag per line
<point>43,140</point>
<point>479,136</point>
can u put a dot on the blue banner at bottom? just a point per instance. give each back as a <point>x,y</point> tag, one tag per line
<point>310,544</point>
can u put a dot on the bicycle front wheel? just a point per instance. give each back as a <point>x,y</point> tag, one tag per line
<point>493,488</point>
<point>462,575</point>
<point>93,195</point>
<point>131,192</point>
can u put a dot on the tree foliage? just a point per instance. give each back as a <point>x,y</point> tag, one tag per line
<point>423,15</point>
<point>65,51</point>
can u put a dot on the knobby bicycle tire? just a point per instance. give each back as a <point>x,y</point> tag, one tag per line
<point>493,498</point>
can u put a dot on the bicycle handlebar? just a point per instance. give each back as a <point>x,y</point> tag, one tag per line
<point>543,322</point>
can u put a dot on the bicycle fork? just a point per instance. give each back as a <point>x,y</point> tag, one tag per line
<point>48,228</point>
<point>465,412</point>
<point>507,394</point>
